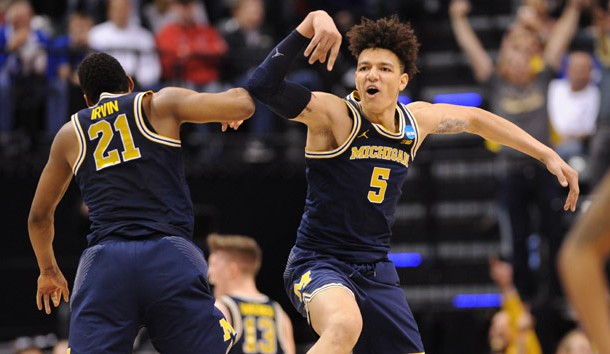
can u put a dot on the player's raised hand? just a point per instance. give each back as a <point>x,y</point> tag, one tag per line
<point>567,177</point>
<point>326,40</point>
<point>52,286</point>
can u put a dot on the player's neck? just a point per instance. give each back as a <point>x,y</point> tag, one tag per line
<point>245,287</point>
<point>387,117</point>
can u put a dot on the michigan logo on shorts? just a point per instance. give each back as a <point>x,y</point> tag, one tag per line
<point>298,287</point>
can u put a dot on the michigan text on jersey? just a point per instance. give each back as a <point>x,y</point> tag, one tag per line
<point>254,309</point>
<point>380,152</point>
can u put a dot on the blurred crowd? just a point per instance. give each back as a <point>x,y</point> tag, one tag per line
<point>550,75</point>
<point>206,46</point>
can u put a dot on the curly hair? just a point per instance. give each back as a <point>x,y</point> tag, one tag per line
<point>100,72</point>
<point>386,33</point>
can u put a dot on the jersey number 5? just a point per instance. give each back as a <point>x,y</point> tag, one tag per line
<point>103,130</point>
<point>379,180</point>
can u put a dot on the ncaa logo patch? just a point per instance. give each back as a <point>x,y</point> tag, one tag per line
<point>409,132</point>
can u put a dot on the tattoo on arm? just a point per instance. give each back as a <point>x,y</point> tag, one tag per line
<point>451,125</point>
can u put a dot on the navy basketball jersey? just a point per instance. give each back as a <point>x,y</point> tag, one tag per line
<point>258,324</point>
<point>353,190</point>
<point>131,178</point>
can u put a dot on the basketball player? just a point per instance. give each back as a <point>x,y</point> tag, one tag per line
<point>358,150</point>
<point>261,324</point>
<point>140,267</point>
<point>581,266</point>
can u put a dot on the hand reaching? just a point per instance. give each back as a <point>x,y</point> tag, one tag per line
<point>567,177</point>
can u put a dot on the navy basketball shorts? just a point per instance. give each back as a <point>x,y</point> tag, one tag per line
<point>161,283</point>
<point>388,324</point>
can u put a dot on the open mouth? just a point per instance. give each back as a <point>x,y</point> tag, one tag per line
<point>372,91</point>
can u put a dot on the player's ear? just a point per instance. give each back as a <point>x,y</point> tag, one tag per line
<point>131,83</point>
<point>88,101</point>
<point>404,81</point>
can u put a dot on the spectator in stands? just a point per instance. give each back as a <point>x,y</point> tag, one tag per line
<point>512,328</point>
<point>249,42</point>
<point>23,61</point>
<point>518,86</point>
<point>599,147</point>
<point>190,51</point>
<point>132,45</point>
<point>158,13</point>
<point>65,53</point>
<point>573,105</point>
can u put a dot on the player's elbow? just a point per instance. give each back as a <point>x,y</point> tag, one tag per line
<point>261,87</point>
<point>244,104</point>
<point>37,219</point>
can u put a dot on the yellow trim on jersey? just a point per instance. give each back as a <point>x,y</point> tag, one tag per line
<point>147,133</point>
<point>415,126</point>
<point>82,144</point>
<point>338,151</point>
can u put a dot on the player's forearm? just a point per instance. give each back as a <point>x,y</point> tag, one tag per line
<point>497,129</point>
<point>268,83</point>
<point>41,236</point>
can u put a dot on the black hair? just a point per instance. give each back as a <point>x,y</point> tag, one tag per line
<point>100,72</point>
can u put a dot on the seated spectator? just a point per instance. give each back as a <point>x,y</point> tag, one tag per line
<point>65,53</point>
<point>132,45</point>
<point>512,328</point>
<point>190,51</point>
<point>23,60</point>
<point>573,104</point>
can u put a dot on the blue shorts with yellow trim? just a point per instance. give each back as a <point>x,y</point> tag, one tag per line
<point>161,283</point>
<point>388,324</point>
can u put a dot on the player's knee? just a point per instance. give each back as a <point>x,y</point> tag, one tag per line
<point>345,328</point>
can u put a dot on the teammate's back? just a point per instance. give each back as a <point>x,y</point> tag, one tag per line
<point>131,178</point>
<point>141,268</point>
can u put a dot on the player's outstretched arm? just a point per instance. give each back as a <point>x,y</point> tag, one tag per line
<point>321,40</point>
<point>201,107</point>
<point>581,266</point>
<point>55,178</point>
<point>447,119</point>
